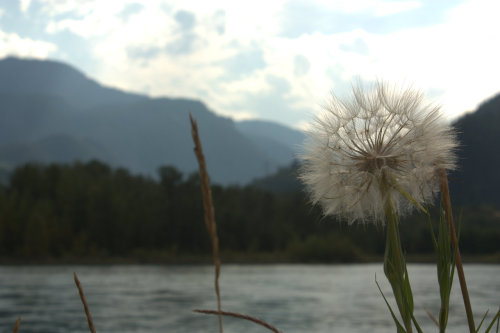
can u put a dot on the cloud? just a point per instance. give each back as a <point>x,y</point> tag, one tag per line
<point>130,10</point>
<point>24,5</point>
<point>186,39</point>
<point>13,44</point>
<point>273,102</point>
<point>358,46</point>
<point>244,63</point>
<point>185,19</point>
<point>301,65</point>
<point>146,52</point>
<point>280,63</point>
<point>378,16</point>
<point>341,83</point>
<point>219,21</point>
<point>184,44</point>
<point>395,7</point>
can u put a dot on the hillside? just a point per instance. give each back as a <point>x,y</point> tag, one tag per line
<point>48,108</point>
<point>477,181</point>
<point>275,140</point>
<point>29,76</point>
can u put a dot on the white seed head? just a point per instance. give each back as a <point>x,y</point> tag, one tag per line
<point>379,136</point>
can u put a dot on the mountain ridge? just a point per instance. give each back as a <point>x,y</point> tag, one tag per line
<point>41,99</point>
<point>48,77</point>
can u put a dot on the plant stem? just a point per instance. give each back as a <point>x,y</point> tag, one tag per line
<point>16,325</point>
<point>445,196</point>
<point>84,301</point>
<point>209,211</point>
<point>241,316</point>
<point>395,267</point>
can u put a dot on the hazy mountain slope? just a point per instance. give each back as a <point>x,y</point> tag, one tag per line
<point>60,148</point>
<point>43,77</point>
<point>477,179</point>
<point>28,117</point>
<point>281,142</point>
<point>157,132</point>
<point>46,107</point>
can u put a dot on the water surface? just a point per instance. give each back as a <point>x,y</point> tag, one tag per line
<point>295,298</point>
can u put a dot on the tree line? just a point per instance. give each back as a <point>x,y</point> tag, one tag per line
<point>92,211</point>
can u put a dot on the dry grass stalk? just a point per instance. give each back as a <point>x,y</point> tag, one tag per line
<point>84,301</point>
<point>432,317</point>
<point>445,195</point>
<point>209,211</point>
<point>241,316</point>
<point>16,325</point>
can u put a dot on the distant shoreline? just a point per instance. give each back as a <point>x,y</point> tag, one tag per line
<point>243,259</point>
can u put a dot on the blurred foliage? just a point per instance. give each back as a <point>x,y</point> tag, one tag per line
<point>88,210</point>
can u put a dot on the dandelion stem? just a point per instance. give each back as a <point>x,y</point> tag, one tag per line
<point>394,261</point>
<point>445,196</point>
<point>209,211</point>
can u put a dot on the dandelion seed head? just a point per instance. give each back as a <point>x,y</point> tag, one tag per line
<point>384,135</point>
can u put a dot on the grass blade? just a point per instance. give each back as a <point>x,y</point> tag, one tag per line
<point>432,317</point>
<point>482,320</point>
<point>396,321</point>
<point>497,319</point>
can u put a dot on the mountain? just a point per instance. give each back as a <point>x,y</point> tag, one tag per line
<point>51,112</point>
<point>57,148</point>
<point>281,142</point>
<point>477,180</point>
<point>45,77</point>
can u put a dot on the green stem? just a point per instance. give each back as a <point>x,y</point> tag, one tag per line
<point>394,263</point>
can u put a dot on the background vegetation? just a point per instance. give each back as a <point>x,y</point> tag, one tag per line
<point>91,212</point>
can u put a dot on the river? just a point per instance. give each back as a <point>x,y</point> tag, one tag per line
<point>294,298</point>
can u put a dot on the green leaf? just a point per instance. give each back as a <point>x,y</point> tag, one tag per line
<point>497,317</point>
<point>415,323</point>
<point>445,266</point>
<point>407,195</point>
<point>407,292</point>
<point>482,320</point>
<point>434,241</point>
<point>396,321</point>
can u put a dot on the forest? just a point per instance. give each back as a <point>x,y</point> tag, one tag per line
<point>90,212</point>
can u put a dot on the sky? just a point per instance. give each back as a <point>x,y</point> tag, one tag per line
<point>276,60</point>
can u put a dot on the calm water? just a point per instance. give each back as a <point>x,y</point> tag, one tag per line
<point>295,298</point>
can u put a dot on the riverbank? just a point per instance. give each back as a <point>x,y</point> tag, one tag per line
<point>226,258</point>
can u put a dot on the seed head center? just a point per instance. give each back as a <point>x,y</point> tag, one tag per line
<point>373,162</point>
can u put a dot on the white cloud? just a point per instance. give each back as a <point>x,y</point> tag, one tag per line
<point>13,44</point>
<point>456,56</point>
<point>24,5</point>
<point>377,7</point>
<point>386,8</point>
<point>90,21</point>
